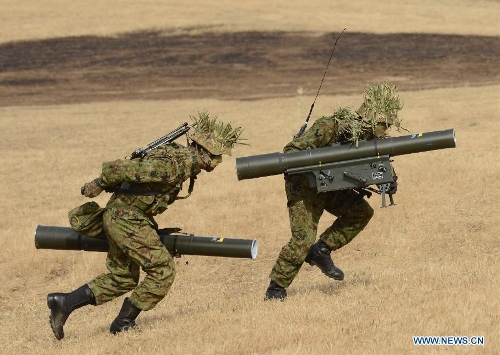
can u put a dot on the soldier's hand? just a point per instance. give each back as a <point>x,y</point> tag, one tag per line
<point>92,189</point>
<point>393,187</point>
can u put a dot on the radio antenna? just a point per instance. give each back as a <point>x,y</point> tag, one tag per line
<point>304,126</point>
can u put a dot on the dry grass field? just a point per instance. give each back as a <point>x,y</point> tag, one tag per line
<point>91,81</point>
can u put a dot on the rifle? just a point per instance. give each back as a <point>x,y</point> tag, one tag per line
<point>346,166</point>
<point>168,138</point>
<point>65,238</point>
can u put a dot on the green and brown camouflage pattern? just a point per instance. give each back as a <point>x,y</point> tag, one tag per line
<point>133,245</point>
<point>164,169</point>
<point>306,205</point>
<point>323,133</point>
<point>305,208</point>
<point>170,164</point>
<point>131,230</point>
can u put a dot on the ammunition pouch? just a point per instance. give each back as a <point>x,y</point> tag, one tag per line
<point>87,219</point>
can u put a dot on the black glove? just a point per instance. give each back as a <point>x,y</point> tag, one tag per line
<point>92,189</point>
<point>393,187</point>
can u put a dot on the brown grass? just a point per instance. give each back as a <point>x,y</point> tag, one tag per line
<point>29,19</point>
<point>428,266</point>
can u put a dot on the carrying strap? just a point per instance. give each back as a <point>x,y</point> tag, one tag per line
<point>192,179</point>
<point>193,176</point>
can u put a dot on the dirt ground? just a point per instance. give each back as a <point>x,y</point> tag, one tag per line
<point>241,65</point>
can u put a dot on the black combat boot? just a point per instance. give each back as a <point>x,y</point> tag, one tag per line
<point>62,304</point>
<point>126,318</point>
<point>275,292</point>
<point>319,255</point>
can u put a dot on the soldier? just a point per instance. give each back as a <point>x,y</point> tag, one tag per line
<point>305,205</point>
<point>148,186</point>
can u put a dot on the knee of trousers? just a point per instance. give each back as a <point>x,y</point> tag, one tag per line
<point>362,212</point>
<point>161,271</point>
<point>369,211</point>
<point>155,285</point>
<point>295,251</point>
<point>129,284</point>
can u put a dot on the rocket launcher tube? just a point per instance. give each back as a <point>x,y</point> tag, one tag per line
<point>65,238</point>
<point>256,166</point>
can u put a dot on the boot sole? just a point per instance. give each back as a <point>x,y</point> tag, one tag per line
<point>324,273</point>
<point>116,329</point>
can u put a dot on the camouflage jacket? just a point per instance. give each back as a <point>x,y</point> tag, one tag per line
<point>152,182</point>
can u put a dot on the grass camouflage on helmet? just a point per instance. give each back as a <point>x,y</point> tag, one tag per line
<point>216,137</point>
<point>380,106</point>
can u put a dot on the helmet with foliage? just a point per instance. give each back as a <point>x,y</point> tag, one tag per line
<point>377,113</point>
<point>216,137</point>
<point>380,108</point>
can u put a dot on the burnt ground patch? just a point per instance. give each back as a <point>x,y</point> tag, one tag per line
<point>241,65</point>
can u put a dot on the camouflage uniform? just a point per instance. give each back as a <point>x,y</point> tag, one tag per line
<point>130,227</point>
<point>306,205</point>
<point>377,113</point>
<point>143,188</point>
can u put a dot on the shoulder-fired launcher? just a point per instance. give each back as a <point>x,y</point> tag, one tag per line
<point>65,238</point>
<point>346,166</point>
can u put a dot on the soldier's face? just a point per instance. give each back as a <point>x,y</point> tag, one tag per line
<point>215,160</point>
<point>380,130</point>
<point>210,161</point>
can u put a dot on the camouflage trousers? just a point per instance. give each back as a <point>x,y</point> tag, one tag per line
<point>133,245</point>
<point>305,208</point>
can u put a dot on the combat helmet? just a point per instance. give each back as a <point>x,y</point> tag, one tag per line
<point>216,137</point>
<point>381,104</point>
